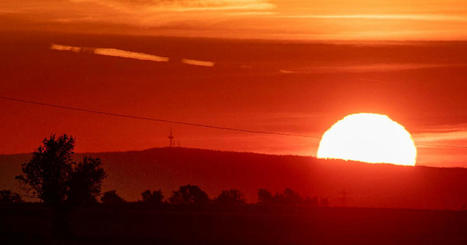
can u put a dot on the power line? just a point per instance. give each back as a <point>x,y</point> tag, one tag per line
<point>160,120</point>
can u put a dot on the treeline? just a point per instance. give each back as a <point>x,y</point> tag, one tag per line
<point>53,176</point>
<point>194,196</point>
<point>191,196</point>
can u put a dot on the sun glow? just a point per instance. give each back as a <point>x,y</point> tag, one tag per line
<point>368,137</point>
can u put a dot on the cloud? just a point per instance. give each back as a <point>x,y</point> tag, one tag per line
<point>365,68</point>
<point>111,52</point>
<point>443,137</point>
<point>65,48</point>
<point>136,13</point>
<point>423,17</point>
<point>198,62</point>
<point>183,5</point>
<point>129,54</point>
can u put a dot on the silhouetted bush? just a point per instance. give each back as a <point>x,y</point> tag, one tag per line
<point>8,197</point>
<point>230,198</point>
<point>154,198</point>
<point>53,176</point>
<point>86,180</point>
<point>265,197</point>
<point>189,195</point>
<point>112,198</point>
<point>288,197</point>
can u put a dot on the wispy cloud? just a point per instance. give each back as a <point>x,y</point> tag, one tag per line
<point>147,13</point>
<point>198,62</point>
<point>423,17</point>
<point>65,48</point>
<point>184,5</point>
<point>129,54</point>
<point>443,137</point>
<point>364,68</point>
<point>111,52</point>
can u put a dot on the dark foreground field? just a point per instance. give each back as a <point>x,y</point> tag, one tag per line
<point>100,225</point>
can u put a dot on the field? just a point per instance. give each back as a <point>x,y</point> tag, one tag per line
<point>253,225</point>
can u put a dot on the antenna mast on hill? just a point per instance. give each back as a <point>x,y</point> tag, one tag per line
<point>171,138</point>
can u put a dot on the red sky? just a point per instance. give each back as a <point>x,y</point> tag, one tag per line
<point>290,81</point>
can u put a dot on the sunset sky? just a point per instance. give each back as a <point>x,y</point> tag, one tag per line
<point>293,67</point>
<point>278,19</point>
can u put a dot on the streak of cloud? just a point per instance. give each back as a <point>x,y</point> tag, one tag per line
<point>184,5</point>
<point>422,17</point>
<point>198,62</point>
<point>365,68</point>
<point>110,52</point>
<point>442,136</point>
<point>128,54</point>
<point>65,48</point>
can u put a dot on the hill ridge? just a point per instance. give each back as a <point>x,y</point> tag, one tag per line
<point>366,185</point>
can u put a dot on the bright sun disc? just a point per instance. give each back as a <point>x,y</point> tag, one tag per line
<point>368,137</point>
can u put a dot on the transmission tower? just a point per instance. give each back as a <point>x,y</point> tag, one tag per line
<point>171,138</point>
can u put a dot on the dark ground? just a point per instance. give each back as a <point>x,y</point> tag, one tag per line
<point>125,225</point>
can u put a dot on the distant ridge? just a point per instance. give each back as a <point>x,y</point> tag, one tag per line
<point>343,183</point>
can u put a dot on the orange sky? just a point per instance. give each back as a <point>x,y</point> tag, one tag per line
<point>319,19</point>
<point>91,54</point>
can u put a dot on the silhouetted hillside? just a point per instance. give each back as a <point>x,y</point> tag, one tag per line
<point>344,183</point>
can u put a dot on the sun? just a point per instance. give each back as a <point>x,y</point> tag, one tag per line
<point>368,137</point>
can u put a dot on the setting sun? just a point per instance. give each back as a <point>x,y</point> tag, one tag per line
<point>368,137</point>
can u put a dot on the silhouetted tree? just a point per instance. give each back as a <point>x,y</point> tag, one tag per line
<point>112,198</point>
<point>8,197</point>
<point>153,198</point>
<point>265,197</point>
<point>53,176</point>
<point>189,195</point>
<point>288,197</point>
<point>85,182</point>
<point>48,172</point>
<point>230,198</point>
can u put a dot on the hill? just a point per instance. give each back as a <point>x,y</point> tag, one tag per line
<point>343,183</point>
